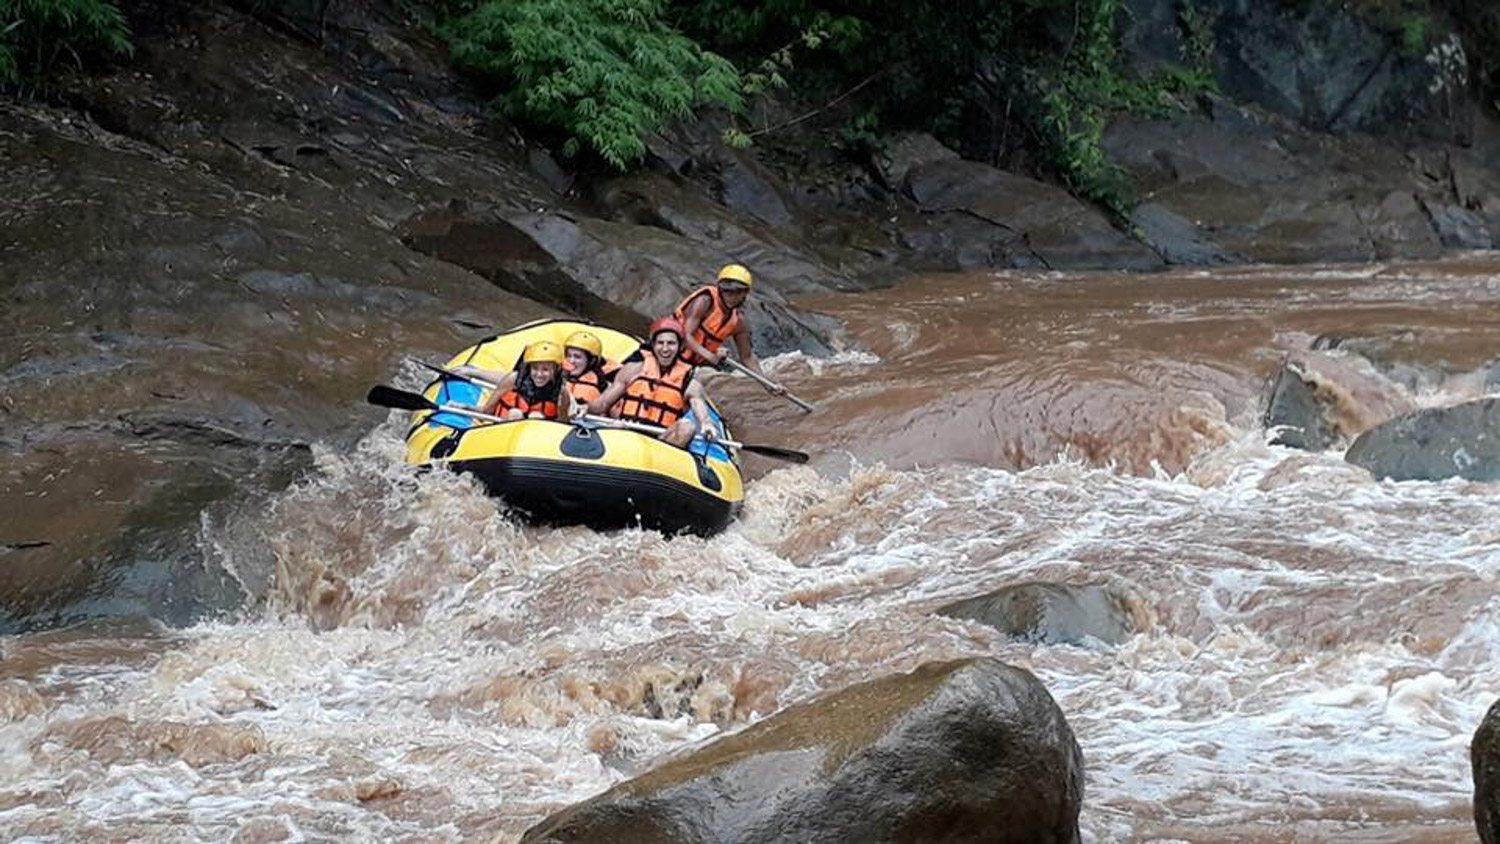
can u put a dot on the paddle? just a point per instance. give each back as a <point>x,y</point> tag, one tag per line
<point>767,383</point>
<point>453,373</point>
<point>383,396</point>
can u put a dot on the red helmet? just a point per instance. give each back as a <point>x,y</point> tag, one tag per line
<point>667,323</point>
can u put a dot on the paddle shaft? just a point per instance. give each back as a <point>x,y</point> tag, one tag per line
<point>453,373</point>
<point>383,396</point>
<point>642,427</point>
<point>772,451</point>
<point>767,383</point>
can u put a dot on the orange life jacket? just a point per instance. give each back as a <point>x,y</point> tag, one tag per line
<point>658,398</point>
<point>543,401</point>
<point>592,383</point>
<point>718,325</point>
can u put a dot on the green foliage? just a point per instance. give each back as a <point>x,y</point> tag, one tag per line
<point>923,50</point>
<point>1197,38</point>
<point>1407,22</point>
<point>606,72</point>
<point>1054,60</point>
<point>37,34</point>
<point>861,137</point>
<point>1074,103</point>
<point>1412,34</point>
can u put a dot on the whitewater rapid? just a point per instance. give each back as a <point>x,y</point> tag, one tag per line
<point>1314,647</point>
<point>1317,649</point>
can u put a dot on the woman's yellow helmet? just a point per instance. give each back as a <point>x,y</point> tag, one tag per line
<point>543,351</point>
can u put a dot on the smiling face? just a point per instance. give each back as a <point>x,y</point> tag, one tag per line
<point>577,360</point>
<point>542,373</point>
<point>665,346</point>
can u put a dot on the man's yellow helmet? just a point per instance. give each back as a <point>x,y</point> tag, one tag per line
<point>543,351</point>
<point>585,341</point>
<point>735,273</point>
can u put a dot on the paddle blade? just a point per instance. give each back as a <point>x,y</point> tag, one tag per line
<point>775,453</point>
<point>383,396</point>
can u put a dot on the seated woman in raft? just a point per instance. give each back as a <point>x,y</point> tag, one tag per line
<point>585,369</point>
<point>534,390</point>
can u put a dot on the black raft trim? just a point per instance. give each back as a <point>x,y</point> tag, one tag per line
<point>601,497</point>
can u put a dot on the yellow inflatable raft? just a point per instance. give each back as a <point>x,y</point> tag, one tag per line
<point>558,473</point>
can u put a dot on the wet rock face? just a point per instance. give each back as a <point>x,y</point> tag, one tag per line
<point>586,266</point>
<point>218,296</point>
<point>1050,613</point>
<point>1484,757</point>
<point>1321,64</point>
<point>973,750</point>
<point>1462,441</point>
<point>1255,187</point>
<point>1015,221</point>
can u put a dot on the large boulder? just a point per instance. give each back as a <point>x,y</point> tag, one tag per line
<point>1484,757</point>
<point>1295,414</point>
<point>973,750</point>
<point>1461,441</point>
<point>1175,238</point>
<point>1051,613</point>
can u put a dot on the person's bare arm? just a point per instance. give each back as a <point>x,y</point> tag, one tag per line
<point>629,372</point>
<point>748,358</point>
<point>505,384</point>
<point>741,338</point>
<point>480,372</point>
<point>698,401</point>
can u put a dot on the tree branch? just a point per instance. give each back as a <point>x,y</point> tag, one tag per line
<point>824,107</point>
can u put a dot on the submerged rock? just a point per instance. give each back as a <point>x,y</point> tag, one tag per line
<point>972,750</point>
<point>1462,441</point>
<point>1319,400</point>
<point>1050,613</point>
<point>1294,413</point>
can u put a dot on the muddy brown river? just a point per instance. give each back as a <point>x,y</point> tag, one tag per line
<point>408,662</point>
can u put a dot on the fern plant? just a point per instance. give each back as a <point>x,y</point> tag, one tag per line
<point>606,72</point>
<point>37,34</point>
